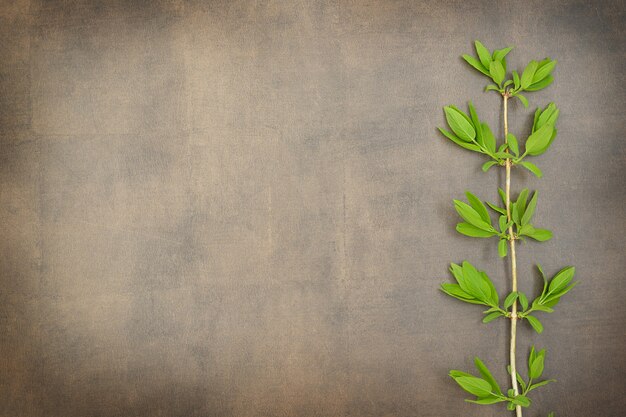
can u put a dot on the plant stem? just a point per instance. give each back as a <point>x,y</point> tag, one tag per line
<point>518,409</point>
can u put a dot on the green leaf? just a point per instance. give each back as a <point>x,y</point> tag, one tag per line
<point>496,208</point>
<point>530,210</point>
<point>523,99</point>
<point>539,140</point>
<point>516,80</point>
<point>512,141</point>
<point>502,248</point>
<point>459,124</point>
<point>476,123</point>
<point>454,290</point>
<point>523,300</point>
<point>510,406</point>
<point>541,84</point>
<point>521,400</point>
<point>515,213</point>
<point>491,317</point>
<point>532,168</point>
<point>487,400</point>
<point>544,69</point>
<point>520,380</point>
<point>540,235</point>
<point>488,165</point>
<point>536,324</point>
<point>561,280</point>
<point>476,64</point>
<point>521,201</point>
<point>540,384</point>
<point>502,195</point>
<point>487,376</point>
<point>510,299</point>
<point>492,87</point>
<point>536,367</point>
<point>483,54</point>
<point>453,138</point>
<point>471,216</point>
<point>497,72</point>
<point>499,54</point>
<point>478,206</point>
<point>488,139</point>
<point>455,374</point>
<point>528,74</point>
<point>473,231</point>
<point>477,386</point>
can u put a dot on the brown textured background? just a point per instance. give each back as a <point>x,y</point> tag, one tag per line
<point>242,208</point>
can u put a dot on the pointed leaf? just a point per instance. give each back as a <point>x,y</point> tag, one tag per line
<point>476,64</point>
<point>536,324</point>
<point>459,124</point>
<point>532,168</point>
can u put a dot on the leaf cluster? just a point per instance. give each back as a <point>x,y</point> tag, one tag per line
<point>478,223</point>
<point>488,391</point>
<point>469,132</point>
<point>475,287</point>
<point>537,75</point>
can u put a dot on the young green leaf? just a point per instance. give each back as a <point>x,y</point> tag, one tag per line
<point>540,235</point>
<point>497,72</point>
<point>516,80</point>
<point>530,210</point>
<point>487,400</point>
<point>561,280</point>
<point>477,386</point>
<point>523,99</point>
<point>523,300</point>
<point>521,400</point>
<point>483,54</point>
<point>528,74</point>
<point>510,299</point>
<point>502,248</point>
<point>541,84</point>
<point>499,54</point>
<point>454,290</point>
<point>487,376</point>
<point>476,123</point>
<point>459,124</point>
<point>453,138</point>
<point>532,168</point>
<point>536,367</point>
<point>473,231</point>
<point>488,165</point>
<point>476,64</point>
<point>544,69</point>
<point>538,141</point>
<point>478,206</point>
<point>496,208</point>
<point>488,139</point>
<point>540,384</point>
<point>536,324</point>
<point>491,316</point>
<point>471,216</point>
<point>512,141</point>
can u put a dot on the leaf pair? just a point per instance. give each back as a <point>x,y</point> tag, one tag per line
<point>473,286</point>
<point>551,294</point>
<point>468,131</point>
<point>477,220</point>
<point>535,370</point>
<point>493,65</point>
<point>521,215</point>
<point>485,387</point>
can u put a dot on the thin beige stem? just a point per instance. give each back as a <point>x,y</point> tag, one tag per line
<point>518,409</point>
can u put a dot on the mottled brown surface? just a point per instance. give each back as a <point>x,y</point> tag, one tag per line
<point>242,208</point>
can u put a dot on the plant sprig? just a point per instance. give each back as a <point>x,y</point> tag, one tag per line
<point>514,222</point>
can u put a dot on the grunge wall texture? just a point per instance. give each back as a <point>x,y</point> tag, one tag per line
<point>243,208</point>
